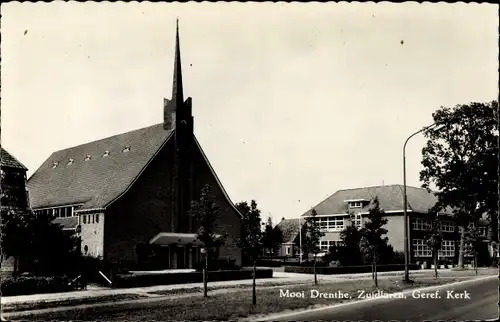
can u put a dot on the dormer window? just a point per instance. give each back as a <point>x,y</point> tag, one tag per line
<point>355,204</point>
<point>70,162</point>
<point>54,165</point>
<point>106,153</point>
<point>126,149</point>
<point>88,157</point>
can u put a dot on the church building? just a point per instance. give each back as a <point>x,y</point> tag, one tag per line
<point>137,187</point>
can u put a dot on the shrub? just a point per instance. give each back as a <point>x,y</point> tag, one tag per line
<point>348,269</point>
<point>398,258</point>
<point>334,264</point>
<point>269,263</point>
<point>141,280</point>
<point>26,285</point>
<point>220,264</point>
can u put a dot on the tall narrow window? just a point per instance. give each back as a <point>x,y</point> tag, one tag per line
<point>84,219</point>
<point>97,218</point>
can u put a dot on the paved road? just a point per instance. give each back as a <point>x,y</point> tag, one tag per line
<point>482,305</point>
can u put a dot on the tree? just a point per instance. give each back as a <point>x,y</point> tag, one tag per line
<point>14,231</point>
<point>349,253</point>
<point>251,239</point>
<point>473,241</point>
<point>372,241</point>
<point>205,212</point>
<point>311,238</point>
<point>36,243</point>
<point>273,237</point>
<point>461,160</point>
<point>434,239</point>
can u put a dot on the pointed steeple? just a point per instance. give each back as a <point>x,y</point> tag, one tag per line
<point>177,90</point>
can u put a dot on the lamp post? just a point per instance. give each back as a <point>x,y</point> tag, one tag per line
<point>300,239</point>
<point>405,203</point>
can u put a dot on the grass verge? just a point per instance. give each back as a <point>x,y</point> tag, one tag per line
<point>91,300</point>
<point>236,304</point>
<point>215,288</point>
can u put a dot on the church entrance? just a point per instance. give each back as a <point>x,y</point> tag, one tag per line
<point>181,257</point>
<point>181,251</point>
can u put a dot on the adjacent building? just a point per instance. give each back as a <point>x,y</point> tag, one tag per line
<point>136,187</point>
<point>350,206</point>
<point>13,193</point>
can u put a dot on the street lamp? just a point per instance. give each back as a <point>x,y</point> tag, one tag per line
<point>300,239</point>
<point>405,202</point>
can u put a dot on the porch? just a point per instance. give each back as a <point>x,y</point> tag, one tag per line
<point>178,250</point>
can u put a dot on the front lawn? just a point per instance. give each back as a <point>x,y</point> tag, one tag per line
<point>234,305</point>
<point>50,304</point>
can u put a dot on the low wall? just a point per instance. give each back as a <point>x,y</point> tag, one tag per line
<point>133,280</point>
<point>348,269</point>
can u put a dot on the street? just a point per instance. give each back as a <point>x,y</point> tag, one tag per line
<point>482,305</point>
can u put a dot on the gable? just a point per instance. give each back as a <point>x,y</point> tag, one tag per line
<point>7,160</point>
<point>216,178</point>
<point>290,229</point>
<point>97,181</point>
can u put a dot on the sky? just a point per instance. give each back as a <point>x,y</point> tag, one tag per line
<point>291,102</point>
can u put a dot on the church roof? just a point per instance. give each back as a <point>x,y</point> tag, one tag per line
<point>7,160</point>
<point>95,173</point>
<point>390,198</point>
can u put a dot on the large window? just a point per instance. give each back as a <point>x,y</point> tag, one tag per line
<point>357,221</point>
<point>59,212</point>
<point>447,226</point>
<point>331,223</point>
<point>421,224</point>
<point>325,245</point>
<point>421,249</point>
<point>447,248</point>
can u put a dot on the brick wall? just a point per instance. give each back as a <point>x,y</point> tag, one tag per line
<point>144,211</point>
<point>395,231</point>
<point>230,221</point>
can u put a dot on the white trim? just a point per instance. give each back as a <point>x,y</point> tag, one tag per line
<point>356,200</point>
<point>61,206</point>
<point>327,215</point>
<point>389,211</point>
<point>89,210</point>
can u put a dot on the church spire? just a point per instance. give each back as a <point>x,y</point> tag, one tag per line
<point>177,90</point>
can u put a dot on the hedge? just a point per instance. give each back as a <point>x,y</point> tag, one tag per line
<point>348,269</point>
<point>26,285</point>
<point>141,280</point>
